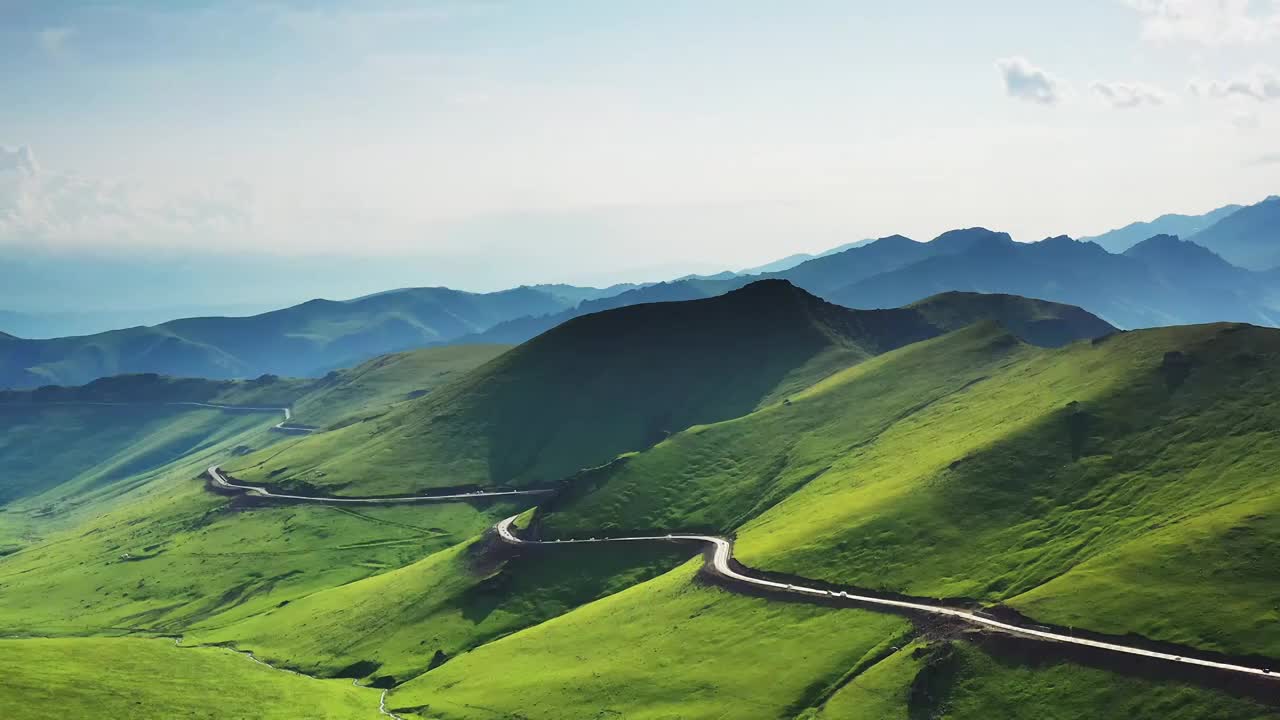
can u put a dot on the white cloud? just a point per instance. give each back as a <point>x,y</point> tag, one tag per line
<point>1209,22</point>
<point>20,160</point>
<point>1262,85</point>
<point>38,207</point>
<point>1025,81</point>
<point>1265,159</point>
<point>1123,95</point>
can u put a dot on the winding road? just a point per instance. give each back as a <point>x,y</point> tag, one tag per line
<point>719,564</point>
<point>219,480</point>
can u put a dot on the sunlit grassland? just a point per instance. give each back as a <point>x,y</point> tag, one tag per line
<point>972,466</point>
<point>145,679</point>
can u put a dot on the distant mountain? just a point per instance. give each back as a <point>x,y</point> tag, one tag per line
<point>791,261</point>
<point>1162,282</point>
<point>89,322</point>
<point>828,272</point>
<point>624,379</point>
<point>816,275</point>
<point>1119,240</point>
<point>1249,237</point>
<point>304,340</point>
<point>1039,322</point>
<point>780,264</point>
<point>525,328</point>
<point>574,294</point>
<point>1183,261</point>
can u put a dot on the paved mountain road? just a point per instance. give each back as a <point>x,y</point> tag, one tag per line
<point>720,565</point>
<point>723,553</point>
<point>220,481</point>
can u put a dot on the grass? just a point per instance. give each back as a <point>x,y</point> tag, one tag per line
<point>1122,485</point>
<point>59,463</point>
<point>614,382</point>
<point>974,466</point>
<point>372,387</point>
<point>141,679</point>
<point>185,558</point>
<point>396,624</point>
<point>664,649</point>
<point>960,681</point>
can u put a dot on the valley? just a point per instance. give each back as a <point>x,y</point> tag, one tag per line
<point>825,479</point>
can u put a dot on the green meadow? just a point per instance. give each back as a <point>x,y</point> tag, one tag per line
<point>153,679</point>
<point>1124,484</point>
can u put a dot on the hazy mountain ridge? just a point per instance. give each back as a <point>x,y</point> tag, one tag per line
<point>1249,238</point>
<point>1144,289</point>
<point>1121,239</point>
<point>305,340</point>
<point>1154,282</point>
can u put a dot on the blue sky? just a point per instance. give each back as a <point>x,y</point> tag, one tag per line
<point>594,141</point>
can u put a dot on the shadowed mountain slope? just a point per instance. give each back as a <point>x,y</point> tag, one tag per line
<point>623,380</point>
<point>1119,485</point>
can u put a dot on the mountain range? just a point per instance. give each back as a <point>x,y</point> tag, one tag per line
<point>1005,456</point>
<point>1224,271</point>
<point>305,340</point>
<point>539,412</point>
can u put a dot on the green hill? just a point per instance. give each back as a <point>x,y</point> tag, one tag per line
<point>622,380</point>
<point>305,340</point>
<point>145,679</point>
<point>1091,486</point>
<point>108,526</point>
<point>1118,484</point>
<point>64,448</point>
<point>373,386</point>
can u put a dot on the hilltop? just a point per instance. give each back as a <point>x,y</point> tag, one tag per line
<point>624,379</point>
<point>969,463</point>
<point>63,447</point>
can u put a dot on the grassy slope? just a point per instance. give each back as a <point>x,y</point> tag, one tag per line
<point>375,385</point>
<point>576,397</point>
<point>105,481</point>
<point>619,381</point>
<point>41,447</point>
<point>880,437</point>
<point>959,467</point>
<point>958,681</point>
<point>671,648</point>
<point>668,648</point>
<point>119,678</point>
<point>449,602</point>
<point>57,453</point>
<point>197,561</point>
<point>57,463</point>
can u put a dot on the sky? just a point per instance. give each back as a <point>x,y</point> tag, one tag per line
<point>485,143</point>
